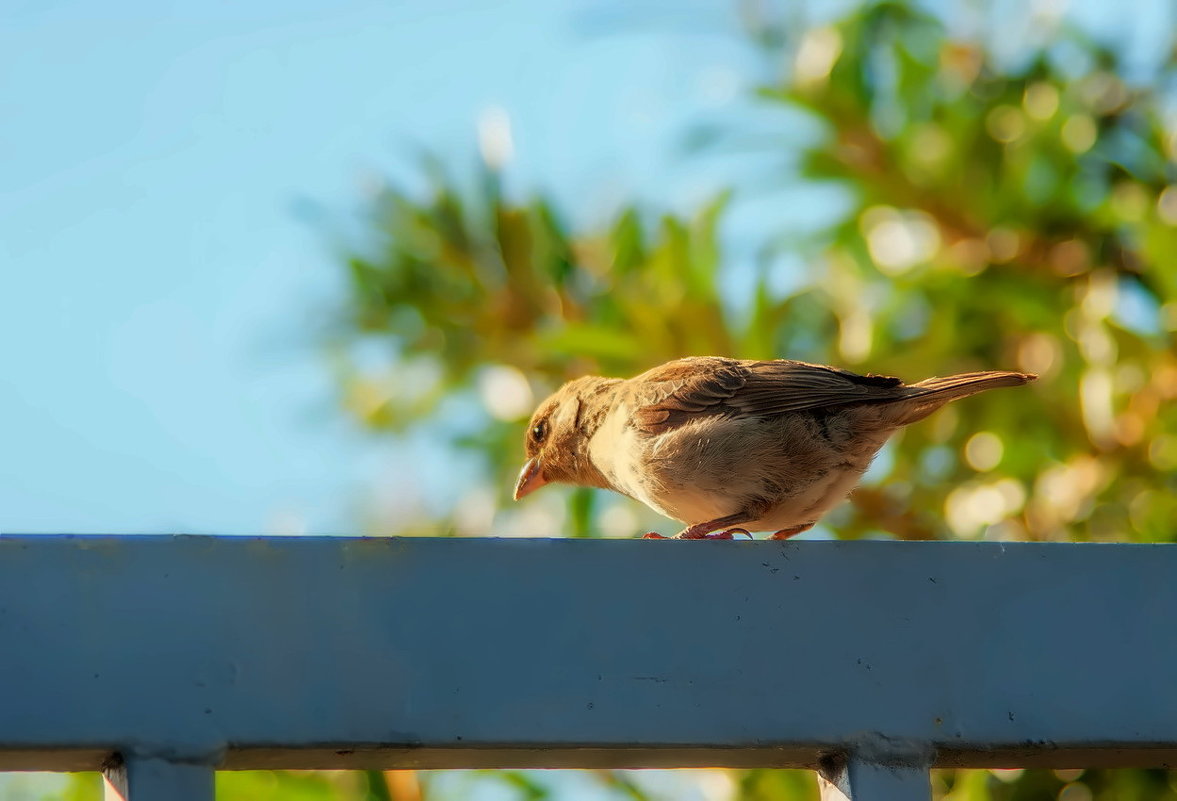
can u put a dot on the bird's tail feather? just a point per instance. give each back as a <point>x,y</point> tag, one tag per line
<point>965,384</point>
<point>935,392</point>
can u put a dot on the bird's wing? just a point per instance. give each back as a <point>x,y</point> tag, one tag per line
<point>672,394</point>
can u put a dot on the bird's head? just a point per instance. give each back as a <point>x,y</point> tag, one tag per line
<point>556,442</point>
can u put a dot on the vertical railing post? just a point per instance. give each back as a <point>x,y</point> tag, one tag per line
<point>861,778</point>
<point>152,779</point>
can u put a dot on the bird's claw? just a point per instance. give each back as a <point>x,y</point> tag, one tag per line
<point>729,534</point>
<point>715,535</point>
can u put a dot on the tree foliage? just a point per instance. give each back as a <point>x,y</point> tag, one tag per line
<point>1017,217</point>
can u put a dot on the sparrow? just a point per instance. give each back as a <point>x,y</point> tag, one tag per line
<point>729,446</point>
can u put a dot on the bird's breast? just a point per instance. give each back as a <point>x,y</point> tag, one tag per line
<point>670,472</point>
<point>615,450</point>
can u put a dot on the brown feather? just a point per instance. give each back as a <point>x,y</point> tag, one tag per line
<point>673,393</point>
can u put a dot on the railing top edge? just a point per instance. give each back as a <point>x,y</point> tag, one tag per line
<point>999,545</point>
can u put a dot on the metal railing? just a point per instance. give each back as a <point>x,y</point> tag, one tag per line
<point>162,659</point>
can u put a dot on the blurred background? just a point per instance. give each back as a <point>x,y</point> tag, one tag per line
<point>306,268</point>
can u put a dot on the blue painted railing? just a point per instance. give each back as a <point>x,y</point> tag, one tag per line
<point>161,659</point>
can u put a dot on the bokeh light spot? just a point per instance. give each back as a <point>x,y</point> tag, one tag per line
<point>1079,133</point>
<point>983,451</point>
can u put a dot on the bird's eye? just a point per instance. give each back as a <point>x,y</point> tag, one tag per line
<point>539,431</point>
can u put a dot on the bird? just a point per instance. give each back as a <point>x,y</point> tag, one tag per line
<point>730,446</point>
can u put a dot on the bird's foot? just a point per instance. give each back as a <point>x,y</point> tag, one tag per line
<point>729,534</point>
<point>784,534</point>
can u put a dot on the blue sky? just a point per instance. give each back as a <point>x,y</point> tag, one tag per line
<point>161,294</point>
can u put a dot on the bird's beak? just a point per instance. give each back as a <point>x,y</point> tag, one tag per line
<point>531,478</point>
